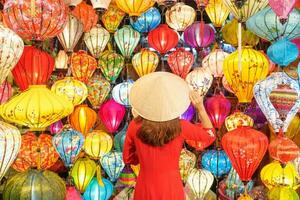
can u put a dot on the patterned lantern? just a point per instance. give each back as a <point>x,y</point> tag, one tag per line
<point>187,162</point>
<point>95,191</point>
<point>72,194</point>
<point>97,143</point>
<point>113,164</point>
<point>119,139</point>
<point>100,5</point>
<point>252,63</point>
<point>200,79</point>
<point>163,39</point>
<point>83,118</point>
<point>147,21</point>
<point>127,177</point>
<point>83,66</point>
<point>68,143</point>
<point>10,142</point>
<point>36,108</point>
<point>120,93</point>
<point>112,17</point>
<point>145,62</point>
<point>34,68</point>
<point>61,60</point>
<point>35,20</point>
<point>282,8</point>
<point>180,16</point>
<point>245,148</point>
<point>217,12</point>
<point>214,62</point>
<point>238,119</point>
<point>98,90</point>
<point>134,8</point>
<point>6,92</point>
<point>74,90</point>
<point>189,113</point>
<point>282,193</point>
<point>56,127</point>
<point>96,40</point>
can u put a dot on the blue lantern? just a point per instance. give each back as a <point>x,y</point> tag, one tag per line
<point>120,92</point>
<point>95,191</point>
<point>68,143</point>
<point>147,21</point>
<point>283,52</point>
<point>119,139</point>
<point>217,162</point>
<point>112,164</point>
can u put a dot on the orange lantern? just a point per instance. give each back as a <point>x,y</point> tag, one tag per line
<point>112,17</point>
<point>86,14</point>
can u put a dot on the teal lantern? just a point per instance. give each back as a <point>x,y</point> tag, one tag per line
<point>119,139</point>
<point>95,191</point>
<point>148,21</point>
<point>112,164</point>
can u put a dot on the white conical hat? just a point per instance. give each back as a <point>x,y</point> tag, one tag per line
<point>159,96</point>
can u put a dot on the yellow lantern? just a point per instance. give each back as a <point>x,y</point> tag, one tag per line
<point>37,108</point>
<point>214,62</point>
<point>294,128</point>
<point>145,62</point>
<point>134,7</point>
<point>245,197</point>
<point>112,17</point>
<point>274,174</point>
<point>61,60</point>
<point>74,90</point>
<point>180,16</point>
<point>254,66</point>
<point>237,119</point>
<point>217,12</point>
<point>282,193</point>
<point>97,143</point>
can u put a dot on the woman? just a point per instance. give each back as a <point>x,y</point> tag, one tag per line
<point>155,138</point>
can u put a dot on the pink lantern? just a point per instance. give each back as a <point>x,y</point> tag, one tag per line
<point>297,42</point>
<point>56,127</point>
<point>282,8</point>
<point>111,114</point>
<point>72,194</point>
<point>6,92</point>
<point>180,62</point>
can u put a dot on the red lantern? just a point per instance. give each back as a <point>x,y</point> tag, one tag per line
<point>86,14</point>
<point>163,39</point>
<point>34,68</point>
<point>245,148</point>
<point>181,62</point>
<point>6,92</point>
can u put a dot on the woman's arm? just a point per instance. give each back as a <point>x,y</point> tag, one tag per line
<point>129,152</point>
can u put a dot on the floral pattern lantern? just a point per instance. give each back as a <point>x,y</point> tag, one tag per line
<point>98,90</point>
<point>238,119</point>
<point>148,21</point>
<point>6,92</point>
<point>113,164</point>
<point>119,139</point>
<point>120,93</point>
<point>200,79</point>
<point>61,60</point>
<point>95,191</point>
<point>112,17</point>
<point>187,162</point>
<point>134,8</point>
<point>214,62</point>
<point>217,12</point>
<point>145,62</point>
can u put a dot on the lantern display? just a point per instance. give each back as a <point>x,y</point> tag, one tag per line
<point>238,119</point>
<point>147,21</point>
<point>98,90</point>
<point>199,79</point>
<point>111,64</point>
<point>68,143</point>
<point>163,39</point>
<point>100,5</point>
<point>86,14</point>
<point>127,177</point>
<point>180,16</point>
<point>214,62</point>
<point>61,60</point>
<point>70,88</point>
<point>119,139</point>
<point>282,193</point>
<point>56,127</point>
<point>120,93</point>
<point>180,62</point>
<point>134,8</point>
<point>112,17</point>
<point>111,114</point>
<point>35,20</point>
<point>34,68</point>
<point>145,62</point>
<point>217,108</point>
<point>112,164</point>
<point>96,40</point>
<point>35,184</point>
<point>188,114</point>
<point>187,162</point>
<point>238,76</point>
<point>83,66</point>
<point>97,143</point>
<point>6,92</point>
<point>83,118</point>
<point>278,98</point>
<point>217,12</point>
<point>256,114</point>
<point>36,108</point>
<point>245,148</point>
<point>127,39</point>
<point>282,8</point>
<point>95,191</point>
<point>72,194</point>
<point>83,172</point>
<point>71,34</point>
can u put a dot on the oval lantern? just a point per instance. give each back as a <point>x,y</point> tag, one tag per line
<point>134,8</point>
<point>95,191</point>
<point>145,62</point>
<point>72,194</point>
<point>189,113</point>
<point>56,127</point>
<point>61,60</point>
<point>111,114</point>
<point>120,93</point>
<point>214,62</point>
<point>238,119</point>
<point>112,17</point>
<point>282,193</point>
<point>68,143</point>
<point>119,139</point>
<point>282,8</point>
<point>245,148</point>
<point>217,12</point>
<point>187,162</point>
<point>6,92</point>
<point>112,164</point>
<point>147,21</point>
<point>200,79</point>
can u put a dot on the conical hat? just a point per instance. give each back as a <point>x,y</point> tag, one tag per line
<point>159,96</point>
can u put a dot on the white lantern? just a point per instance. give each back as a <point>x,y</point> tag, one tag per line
<point>120,92</point>
<point>214,62</point>
<point>200,79</point>
<point>61,60</point>
<point>100,4</point>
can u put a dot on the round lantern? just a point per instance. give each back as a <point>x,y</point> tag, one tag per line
<point>217,12</point>
<point>252,63</point>
<point>199,79</point>
<point>147,21</point>
<point>112,17</point>
<point>96,40</point>
<point>163,39</point>
<point>35,184</point>
<point>83,118</point>
<point>238,119</point>
<point>119,139</point>
<point>127,177</point>
<point>111,114</point>
<point>145,62</point>
<point>61,60</point>
<point>35,20</point>
<point>83,66</point>
<point>97,143</point>
<point>113,164</point>
<point>72,194</point>
<point>36,108</point>
<point>98,90</point>
<point>100,5</point>
<point>6,92</point>
<point>68,143</point>
<point>134,8</point>
<point>95,191</point>
<point>34,68</point>
<point>74,90</point>
<point>214,62</point>
<point>120,93</point>
<point>245,148</point>
<point>282,193</point>
<point>189,113</point>
<point>187,162</point>
<point>56,127</point>
<point>180,16</point>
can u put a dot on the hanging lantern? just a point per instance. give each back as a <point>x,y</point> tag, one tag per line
<point>282,193</point>
<point>35,20</point>
<point>217,12</point>
<point>34,68</point>
<point>238,119</point>
<point>72,194</point>
<point>253,63</point>
<point>120,93</point>
<point>199,79</point>
<point>96,40</point>
<point>83,66</point>
<point>187,162</point>
<point>61,60</point>
<point>70,88</point>
<point>256,114</point>
<point>245,148</point>
<point>95,191</point>
<point>68,143</point>
<point>6,92</point>
<point>134,8</point>
<point>163,39</point>
<point>119,139</point>
<point>189,113</point>
<point>127,177</point>
<point>145,62</point>
<point>56,127</point>
<point>98,90</point>
<point>282,8</point>
<point>83,119</point>
<point>97,143</point>
<point>36,108</point>
<point>100,5</point>
<point>148,21</point>
<point>112,17</point>
<point>111,114</point>
<point>214,62</point>
<point>113,164</point>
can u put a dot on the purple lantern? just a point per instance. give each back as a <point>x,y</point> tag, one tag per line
<point>188,114</point>
<point>56,127</point>
<point>256,114</point>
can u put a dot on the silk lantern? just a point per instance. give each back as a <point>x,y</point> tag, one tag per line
<point>127,177</point>
<point>61,60</point>
<point>34,68</point>
<point>148,21</point>
<point>112,164</point>
<point>245,148</point>
<point>72,194</point>
<point>98,90</point>
<point>112,17</point>
<point>189,113</point>
<point>199,79</point>
<point>238,75</point>
<point>111,114</point>
<point>68,143</point>
<point>56,127</point>
<point>86,14</point>
<point>217,12</point>
<point>95,191</point>
<point>187,162</point>
<point>100,5</point>
<point>282,8</point>
<point>35,20</point>
<point>119,139</point>
<point>134,8</point>
<point>6,92</point>
<point>120,93</point>
<point>145,62</point>
<point>214,62</point>
<point>282,193</point>
<point>238,119</point>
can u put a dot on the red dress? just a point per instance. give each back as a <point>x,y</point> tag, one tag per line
<point>159,177</point>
